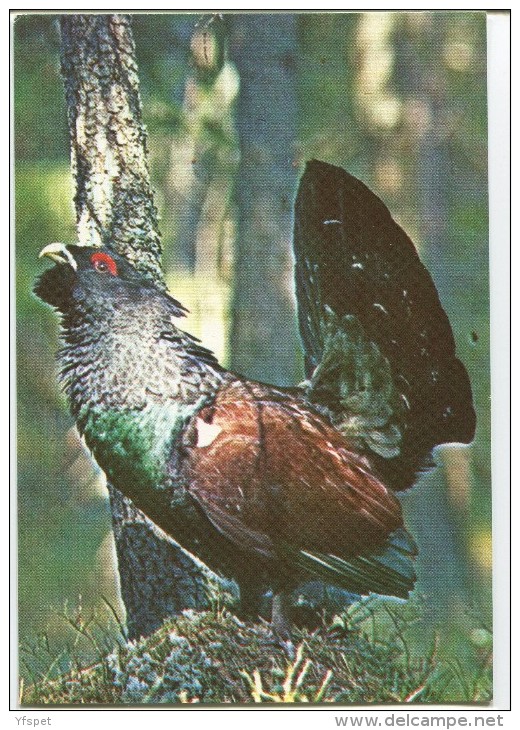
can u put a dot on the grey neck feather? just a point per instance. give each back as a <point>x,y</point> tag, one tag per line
<point>129,359</point>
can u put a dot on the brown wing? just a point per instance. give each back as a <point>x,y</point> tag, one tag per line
<point>268,470</point>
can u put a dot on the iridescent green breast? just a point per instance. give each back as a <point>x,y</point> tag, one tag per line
<point>134,446</point>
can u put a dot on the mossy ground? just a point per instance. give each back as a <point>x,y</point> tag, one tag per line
<point>362,656</point>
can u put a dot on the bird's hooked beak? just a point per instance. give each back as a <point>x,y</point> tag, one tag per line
<point>58,252</point>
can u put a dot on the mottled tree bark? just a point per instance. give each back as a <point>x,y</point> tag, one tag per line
<point>114,201</point>
<point>114,205</point>
<point>157,577</point>
<point>263,338</point>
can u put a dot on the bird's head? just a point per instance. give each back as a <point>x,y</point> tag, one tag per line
<point>95,277</point>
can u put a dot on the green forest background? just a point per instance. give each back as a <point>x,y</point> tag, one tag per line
<point>397,99</point>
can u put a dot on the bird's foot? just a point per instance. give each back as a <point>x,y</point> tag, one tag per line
<point>281,624</point>
<point>288,647</point>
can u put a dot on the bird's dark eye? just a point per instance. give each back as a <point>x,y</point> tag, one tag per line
<point>103,263</point>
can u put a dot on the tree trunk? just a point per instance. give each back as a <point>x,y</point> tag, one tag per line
<point>202,156</point>
<point>114,201</point>
<point>263,337</point>
<point>114,204</point>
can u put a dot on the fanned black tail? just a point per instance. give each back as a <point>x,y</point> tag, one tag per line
<point>354,261</point>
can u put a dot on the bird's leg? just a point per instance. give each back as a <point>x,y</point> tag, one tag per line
<point>250,599</point>
<point>281,621</point>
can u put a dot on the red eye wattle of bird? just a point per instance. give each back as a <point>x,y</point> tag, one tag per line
<point>104,263</point>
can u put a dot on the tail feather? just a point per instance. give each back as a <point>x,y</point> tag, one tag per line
<point>388,571</point>
<point>352,259</point>
<point>354,381</point>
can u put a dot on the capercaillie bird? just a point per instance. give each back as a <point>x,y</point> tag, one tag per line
<point>273,486</point>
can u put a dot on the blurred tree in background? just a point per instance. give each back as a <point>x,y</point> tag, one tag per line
<point>398,99</point>
<point>263,334</point>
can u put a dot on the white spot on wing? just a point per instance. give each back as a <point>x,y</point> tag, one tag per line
<point>331,221</point>
<point>206,432</point>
